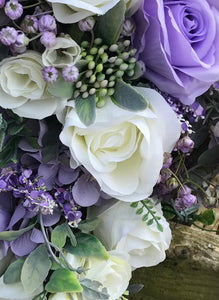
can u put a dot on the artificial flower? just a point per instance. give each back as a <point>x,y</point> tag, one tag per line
<point>23,89</point>
<point>69,11</point>
<point>66,52</point>
<point>114,274</point>
<point>128,234</point>
<point>123,149</point>
<point>178,42</point>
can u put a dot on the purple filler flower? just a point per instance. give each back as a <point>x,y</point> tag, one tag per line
<point>178,42</point>
<point>13,9</point>
<point>8,35</point>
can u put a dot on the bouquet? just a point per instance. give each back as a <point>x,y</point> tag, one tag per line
<point>109,128</point>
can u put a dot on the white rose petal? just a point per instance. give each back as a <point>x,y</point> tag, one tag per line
<point>123,150</point>
<point>120,229</point>
<point>15,291</point>
<point>72,11</point>
<point>23,89</point>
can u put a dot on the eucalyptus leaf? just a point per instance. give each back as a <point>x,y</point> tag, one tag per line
<point>89,224</point>
<point>2,138</point>
<point>109,26</point>
<point>87,246</point>
<point>58,236</point>
<point>5,261</point>
<point>61,88</point>
<point>71,235</point>
<point>127,97</point>
<point>86,109</point>
<point>94,290</point>
<point>13,272</point>
<point>35,269</point>
<point>63,280</point>
<point>14,234</point>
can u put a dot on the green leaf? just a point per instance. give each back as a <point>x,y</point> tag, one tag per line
<point>49,153</point>
<point>5,261</point>
<point>138,71</point>
<point>33,142</point>
<point>2,138</point>
<point>14,234</point>
<point>89,224</point>
<point>150,222</point>
<point>60,233</point>
<point>14,128</point>
<point>13,272</point>
<point>35,269</point>
<point>70,234</point>
<point>61,88</point>
<point>145,217</point>
<point>128,97</point>
<point>86,109</point>
<point>210,157</point>
<point>109,26</point>
<point>87,246</point>
<point>159,227</point>
<point>58,236</point>
<point>134,204</point>
<point>139,211</point>
<point>94,290</point>
<point>63,280</point>
<point>207,217</point>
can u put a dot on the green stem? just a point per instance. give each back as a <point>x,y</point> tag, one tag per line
<point>203,228</point>
<point>176,177</point>
<point>32,5</point>
<point>35,37</point>
<point>48,243</point>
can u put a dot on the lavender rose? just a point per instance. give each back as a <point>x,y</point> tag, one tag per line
<point>178,41</point>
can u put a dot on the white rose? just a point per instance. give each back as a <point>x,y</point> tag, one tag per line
<point>23,89</point>
<point>114,274</point>
<point>15,291</point>
<point>120,229</point>
<point>72,11</point>
<point>66,52</point>
<point>123,150</point>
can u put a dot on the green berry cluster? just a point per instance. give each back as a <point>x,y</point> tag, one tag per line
<point>104,64</point>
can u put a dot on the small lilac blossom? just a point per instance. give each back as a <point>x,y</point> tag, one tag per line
<point>47,23</point>
<point>128,27</point>
<point>13,9</point>
<point>50,74</point>
<point>167,160</point>
<point>184,191</point>
<point>179,204</point>
<point>185,144</point>
<point>30,24</point>
<point>86,24</point>
<point>8,35</point>
<point>2,3</point>
<point>19,46</point>
<point>48,39</point>
<point>189,200</point>
<point>70,73</point>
